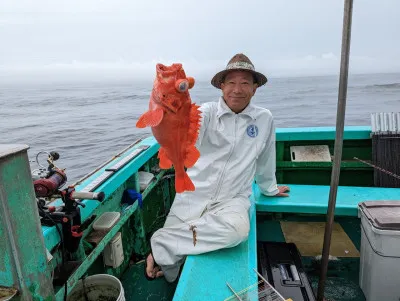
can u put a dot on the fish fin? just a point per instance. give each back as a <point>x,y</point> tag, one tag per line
<point>183,183</point>
<point>150,118</point>
<point>192,155</point>
<point>195,116</point>
<point>165,162</point>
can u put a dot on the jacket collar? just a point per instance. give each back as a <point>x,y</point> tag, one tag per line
<point>223,109</point>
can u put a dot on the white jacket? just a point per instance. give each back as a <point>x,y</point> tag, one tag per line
<point>234,149</point>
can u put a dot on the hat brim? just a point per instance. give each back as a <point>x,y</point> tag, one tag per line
<point>218,78</point>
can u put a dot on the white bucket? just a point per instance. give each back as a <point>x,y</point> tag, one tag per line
<point>100,287</point>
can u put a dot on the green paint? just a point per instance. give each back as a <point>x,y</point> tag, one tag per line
<point>141,244</point>
<point>204,276</point>
<point>24,247</point>
<point>134,231</point>
<point>33,289</point>
<point>342,278</point>
<point>352,228</point>
<point>310,165</point>
<point>5,266</point>
<point>342,281</point>
<point>280,147</point>
<point>314,199</point>
<point>138,226</point>
<point>36,293</point>
<point>137,287</point>
<point>269,230</point>
<point>116,182</point>
<point>321,133</point>
<point>81,270</point>
<point>353,173</point>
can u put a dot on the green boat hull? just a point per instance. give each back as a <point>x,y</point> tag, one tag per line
<point>307,204</point>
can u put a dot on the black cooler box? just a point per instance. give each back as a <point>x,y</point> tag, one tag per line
<point>280,264</point>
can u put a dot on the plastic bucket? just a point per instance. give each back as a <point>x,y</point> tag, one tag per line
<point>100,287</point>
<point>7,293</point>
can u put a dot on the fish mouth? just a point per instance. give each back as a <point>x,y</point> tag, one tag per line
<point>168,70</point>
<point>170,107</point>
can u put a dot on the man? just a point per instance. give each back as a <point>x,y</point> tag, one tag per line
<point>237,145</point>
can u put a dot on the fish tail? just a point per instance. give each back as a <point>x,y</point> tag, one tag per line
<point>183,183</point>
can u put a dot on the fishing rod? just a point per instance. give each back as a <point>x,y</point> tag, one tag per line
<point>340,117</point>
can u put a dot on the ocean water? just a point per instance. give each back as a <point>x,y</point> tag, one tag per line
<point>89,122</point>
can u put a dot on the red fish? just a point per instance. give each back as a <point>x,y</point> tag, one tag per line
<point>174,121</point>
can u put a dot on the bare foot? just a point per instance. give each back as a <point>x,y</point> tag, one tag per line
<point>152,271</point>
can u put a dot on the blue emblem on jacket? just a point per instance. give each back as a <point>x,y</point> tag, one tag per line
<point>252,130</point>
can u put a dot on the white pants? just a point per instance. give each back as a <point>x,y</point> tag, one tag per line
<point>223,226</point>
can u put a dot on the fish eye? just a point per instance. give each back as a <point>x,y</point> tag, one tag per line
<point>182,85</point>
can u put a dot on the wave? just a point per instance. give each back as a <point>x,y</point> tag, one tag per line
<point>306,91</point>
<point>389,86</point>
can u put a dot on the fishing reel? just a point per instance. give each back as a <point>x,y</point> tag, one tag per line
<point>47,183</point>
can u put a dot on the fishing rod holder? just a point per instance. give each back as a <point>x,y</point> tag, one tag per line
<point>47,188</point>
<point>68,215</point>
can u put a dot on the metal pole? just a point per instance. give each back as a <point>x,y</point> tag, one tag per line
<point>341,110</point>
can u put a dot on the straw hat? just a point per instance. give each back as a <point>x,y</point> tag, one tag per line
<point>242,63</point>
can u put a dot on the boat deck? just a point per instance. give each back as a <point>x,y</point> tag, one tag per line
<point>341,284</point>
<point>205,276</point>
<point>343,273</point>
<point>137,287</point>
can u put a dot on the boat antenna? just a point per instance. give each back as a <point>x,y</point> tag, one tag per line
<point>340,117</point>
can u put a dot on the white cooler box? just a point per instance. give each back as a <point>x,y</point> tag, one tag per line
<point>380,250</point>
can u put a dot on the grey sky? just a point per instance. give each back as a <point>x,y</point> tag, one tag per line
<point>127,38</point>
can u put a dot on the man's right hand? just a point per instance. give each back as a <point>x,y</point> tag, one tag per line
<point>282,191</point>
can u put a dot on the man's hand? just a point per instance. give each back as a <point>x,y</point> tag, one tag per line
<point>283,190</point>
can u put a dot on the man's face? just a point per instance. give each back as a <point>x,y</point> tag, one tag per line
<point>237,89</point>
